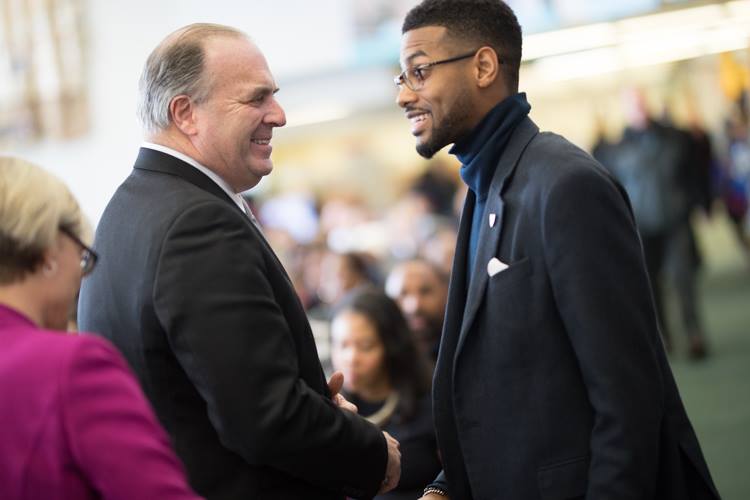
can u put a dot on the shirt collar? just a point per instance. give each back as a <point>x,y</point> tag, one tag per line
<point>236,197</point>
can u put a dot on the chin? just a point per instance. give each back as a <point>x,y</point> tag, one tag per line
<point>427,150</point>
<point>429,145</point>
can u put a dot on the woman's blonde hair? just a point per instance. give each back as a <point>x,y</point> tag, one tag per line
<point>34,205</point>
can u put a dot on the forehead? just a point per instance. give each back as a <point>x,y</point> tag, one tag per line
<point>236,60</point>
<point>353,324</point>
<point>419,274</point>
<point>427,41</point>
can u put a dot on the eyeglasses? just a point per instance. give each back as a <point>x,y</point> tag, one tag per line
<point>414,78</point>
<point>88,256</point>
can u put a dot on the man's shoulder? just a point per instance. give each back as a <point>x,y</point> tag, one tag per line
<point>161,187</point>
<point>551,165</point>
<point>551,158</point>
<point>155,198</point>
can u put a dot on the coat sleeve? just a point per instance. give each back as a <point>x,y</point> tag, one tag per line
<point>595,263</point>
<point>114,437</point>
<point>440,482</point>
<point>213,297</point>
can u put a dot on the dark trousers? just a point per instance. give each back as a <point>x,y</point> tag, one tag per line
<point>672,255</point>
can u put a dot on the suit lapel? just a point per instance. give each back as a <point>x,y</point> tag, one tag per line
<point>457,285</point>
<point>489,236</point>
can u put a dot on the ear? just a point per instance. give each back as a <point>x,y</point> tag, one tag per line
<point>487,67</point>
<point>51,256</point>
<point>49,263</point>
<point>182,112</point>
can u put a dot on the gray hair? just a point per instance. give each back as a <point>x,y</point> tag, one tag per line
<point>175,67</point>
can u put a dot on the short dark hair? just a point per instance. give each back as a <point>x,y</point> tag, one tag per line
<point>487,22</point>
<point>406,370</point>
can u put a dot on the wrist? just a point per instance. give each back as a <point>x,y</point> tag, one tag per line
<point>434,490</point>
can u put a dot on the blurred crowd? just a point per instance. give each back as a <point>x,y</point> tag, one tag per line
<point>673,176</point>
<point>409,247</point>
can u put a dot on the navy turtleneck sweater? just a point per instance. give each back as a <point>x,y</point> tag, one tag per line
<point>479,154</point>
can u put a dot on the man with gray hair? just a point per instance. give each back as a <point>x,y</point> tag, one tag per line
<point>195,298</point>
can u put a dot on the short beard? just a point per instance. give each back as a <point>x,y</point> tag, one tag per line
<point>451,128</point>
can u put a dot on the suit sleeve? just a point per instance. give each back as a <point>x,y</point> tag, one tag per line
<point>113,434</point>
<point>214,299</point>
<point>596,267</point>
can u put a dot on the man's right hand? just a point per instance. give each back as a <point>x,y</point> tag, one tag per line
<point>393,468</point>
<point>334,385</point>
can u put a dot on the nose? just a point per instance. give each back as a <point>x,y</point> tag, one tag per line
<point>275,116</point>
<point>405,96</point>
<point>345,354</point>
<point>349,359</point>
<point>410,304</point>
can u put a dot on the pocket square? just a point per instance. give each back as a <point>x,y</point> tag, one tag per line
<point>495,266</point>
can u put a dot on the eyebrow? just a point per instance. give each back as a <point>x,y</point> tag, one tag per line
<point>414,56</point>
<point>262,90</point>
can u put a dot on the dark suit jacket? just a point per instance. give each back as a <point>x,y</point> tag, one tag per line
<point>552,382</point>
<point>190,291</point>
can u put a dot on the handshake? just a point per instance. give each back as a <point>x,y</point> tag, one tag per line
<point>393,467</point>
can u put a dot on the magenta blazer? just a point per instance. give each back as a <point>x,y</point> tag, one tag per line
<point>74,423</point>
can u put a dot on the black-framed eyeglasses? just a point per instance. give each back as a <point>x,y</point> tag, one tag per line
<point>414,77</point>
<point>88,256</point>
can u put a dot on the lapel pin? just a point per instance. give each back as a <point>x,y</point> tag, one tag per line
<point>493,218</point>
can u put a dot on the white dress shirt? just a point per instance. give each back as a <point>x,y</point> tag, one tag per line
<point>237,198</point>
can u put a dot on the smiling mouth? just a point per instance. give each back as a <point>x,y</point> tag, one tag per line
<point>261,142</point>
<point>416,116</point>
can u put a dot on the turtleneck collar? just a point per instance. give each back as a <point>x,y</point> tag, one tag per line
<point>480,150</point>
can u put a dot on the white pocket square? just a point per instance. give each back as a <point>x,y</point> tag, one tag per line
<point>495,266</point>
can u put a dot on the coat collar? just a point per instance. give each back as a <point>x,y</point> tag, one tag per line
<point>489,236</point>
<point>157,161</point>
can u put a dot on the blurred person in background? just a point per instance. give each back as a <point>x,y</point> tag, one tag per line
<point>421,290</point>
<point>702,168</point>
<point>602,145</point>
<point>440,246</point>
<point>735,181</point>
<point>342,272</point>
<point>551,380</point>
<point>305,270</point>
<point>74,423</point>
<point>386,378</point>
<point>200,305</point>
<point>655,164</point>
<point>339,274</point>
<point>438,185</point>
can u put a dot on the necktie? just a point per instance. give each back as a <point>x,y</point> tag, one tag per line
<point>251,216</point>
